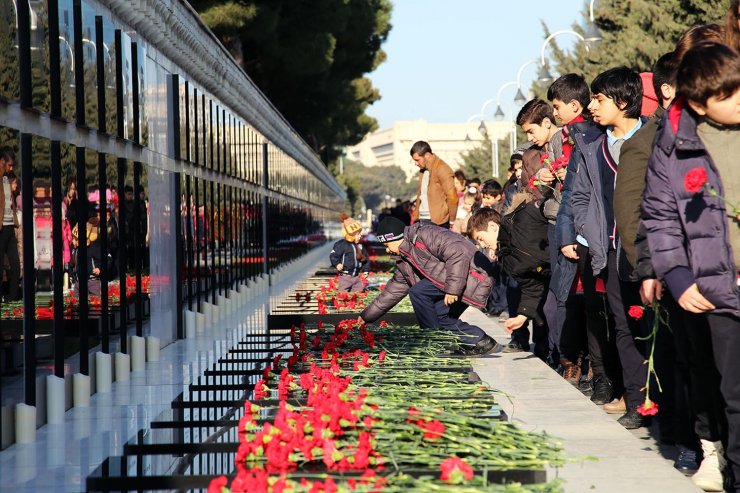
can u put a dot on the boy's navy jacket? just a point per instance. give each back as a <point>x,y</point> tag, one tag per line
<point>451,262</point>
<point>587,199</point>
<point>345,253</point>
<point>564,271</point>
<point>587,206</point>
<point>687,232</point>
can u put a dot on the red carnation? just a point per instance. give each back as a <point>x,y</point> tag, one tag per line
<point>636,312</point>
<point>648,408</point>
<point>544,157</point>
<point>533,183</point>
<point>432,429</point>
<point>695,179</point>
<point>455,470</point>
<point>217,484</point>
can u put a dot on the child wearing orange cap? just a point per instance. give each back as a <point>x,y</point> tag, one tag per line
<point>349,257</point>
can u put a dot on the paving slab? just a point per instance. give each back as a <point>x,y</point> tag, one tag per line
<point>538,399</point>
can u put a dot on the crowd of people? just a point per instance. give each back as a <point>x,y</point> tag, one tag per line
<point>11,237</point>
<point>619,218</point>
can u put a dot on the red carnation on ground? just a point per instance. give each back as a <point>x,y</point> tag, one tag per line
<point>455,470</point>
<point>695,179</point>
<point>636,312</point>
<point>648,408</point>
<point>217,484</point>
<point>433,430</point>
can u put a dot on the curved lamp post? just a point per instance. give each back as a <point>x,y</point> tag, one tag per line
<point>544,74</point>
<point>591,32</point>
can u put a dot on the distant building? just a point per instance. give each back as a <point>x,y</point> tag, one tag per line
<point>449,141</point>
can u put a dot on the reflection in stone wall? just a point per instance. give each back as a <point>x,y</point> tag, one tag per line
<point>162,261</point>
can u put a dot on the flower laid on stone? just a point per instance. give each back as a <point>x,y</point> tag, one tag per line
<point>455,470</point>
<point>358,407</point>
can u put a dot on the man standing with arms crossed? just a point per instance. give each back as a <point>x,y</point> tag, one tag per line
<point>436,197</point>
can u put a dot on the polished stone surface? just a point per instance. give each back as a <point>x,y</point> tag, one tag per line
<point>538,399</point>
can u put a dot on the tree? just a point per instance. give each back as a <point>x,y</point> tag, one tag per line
<point>309,58</point>
<point>372,184</point>
<point>635,33</point>
<point>477,162</point>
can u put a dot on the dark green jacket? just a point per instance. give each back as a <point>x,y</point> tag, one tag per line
<point>631,181</point>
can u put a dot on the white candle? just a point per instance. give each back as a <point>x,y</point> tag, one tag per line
<point>25,423</point>
<point>104,372</point>
<point>152,348</point>
<point>123,367</point>
<point>55,399</point>
<point>138,353</point>
<point>190,324</point>
<point>80,390</point>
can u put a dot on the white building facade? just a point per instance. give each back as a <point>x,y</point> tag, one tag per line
<point>449,141</point>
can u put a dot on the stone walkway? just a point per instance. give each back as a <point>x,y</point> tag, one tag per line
<point>540,400</point>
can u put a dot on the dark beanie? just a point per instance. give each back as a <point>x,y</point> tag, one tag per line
<point>390,229</point>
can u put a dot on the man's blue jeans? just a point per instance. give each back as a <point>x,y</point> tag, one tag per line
<point>431,312</point>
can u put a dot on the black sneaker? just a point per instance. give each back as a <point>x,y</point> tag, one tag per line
<point>603,391</point>
<point>686,462</point>
<point>487,345</point>
<point>516,347</point>
<point>633,420</point>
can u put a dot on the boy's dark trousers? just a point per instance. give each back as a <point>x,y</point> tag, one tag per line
<point>632,353</point>
<point>725,329</point>
<point>692,406</point>
<point>602,351</point>
<point>431,312</point>
<point>497,302</point>
<point>513,295</point>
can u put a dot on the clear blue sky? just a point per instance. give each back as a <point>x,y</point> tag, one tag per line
<point>445,58</point>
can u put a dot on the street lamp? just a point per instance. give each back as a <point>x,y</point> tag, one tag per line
<point>499,115</point>
<point>591,33</point>
<point>494,148</point>
<point>520,98</point>
<point>544,73</point>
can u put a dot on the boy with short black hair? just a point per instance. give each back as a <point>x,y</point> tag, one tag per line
<point>569,95</point>
<point>536,120</point>
<point>692,232</point>
<point>520,240</point>
<point>491,193</point>
<point>616,104</point>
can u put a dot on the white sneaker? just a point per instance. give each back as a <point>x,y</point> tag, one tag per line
<point>709,475</point>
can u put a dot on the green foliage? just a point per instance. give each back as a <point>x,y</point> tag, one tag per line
<point>369,185</point>
<point>477,162</point>
<point>634,33</point>
<point>310,59</point>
